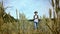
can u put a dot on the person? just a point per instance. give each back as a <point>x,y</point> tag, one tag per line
<point>36,20</point>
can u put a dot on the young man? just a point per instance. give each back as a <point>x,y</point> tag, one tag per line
<point>36,20</point>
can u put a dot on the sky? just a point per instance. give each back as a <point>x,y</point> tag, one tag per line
<point>27,7</point>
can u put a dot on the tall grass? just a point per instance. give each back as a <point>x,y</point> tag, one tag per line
<point>23,26</point>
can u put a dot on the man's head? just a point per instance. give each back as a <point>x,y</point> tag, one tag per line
<point>35,12</point>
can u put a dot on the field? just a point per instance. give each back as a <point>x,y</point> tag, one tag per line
<point>10,25</point>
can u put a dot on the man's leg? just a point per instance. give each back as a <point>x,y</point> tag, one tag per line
<point>35,25</point>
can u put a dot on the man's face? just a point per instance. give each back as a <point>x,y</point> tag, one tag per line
<point>35,13</point>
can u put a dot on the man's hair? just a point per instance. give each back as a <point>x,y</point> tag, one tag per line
<point>35,12</point>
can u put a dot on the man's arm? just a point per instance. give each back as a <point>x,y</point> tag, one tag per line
<point>34,17</point>
<point>37,17</point>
